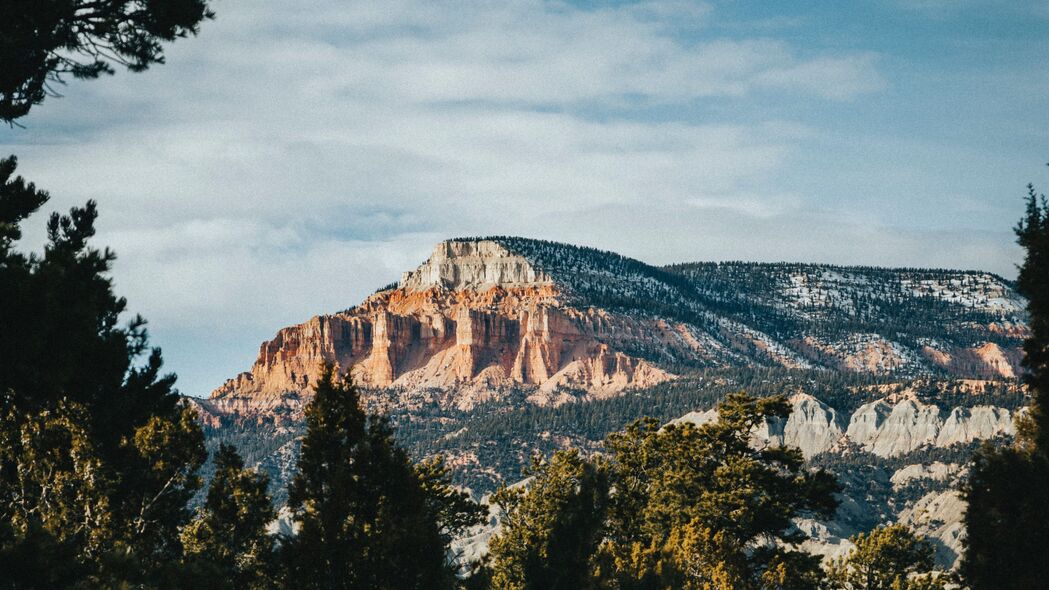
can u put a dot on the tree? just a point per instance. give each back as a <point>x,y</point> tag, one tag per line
<point>888,558</point>
<point>1033,283</point>
<point>552,526</point>
<point>98,454</point>
<point>226,545</point>
<point>40,40</point>
<point>674,506</point>
<point>453,508</point>
<point>702,507</point>
<point>367,518</point>
<point>1007,541</point>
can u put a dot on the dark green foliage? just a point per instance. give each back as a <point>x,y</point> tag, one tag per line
<point>667,507</point>
<point>98,455</point>
<point>226,545</point>
<point>452,507</point>
<point>40,40</point>
<point>1007,545</point>
<point>887,558</point>
<point>1007,541</point>
<point>366,517</point>
<point>552,528</point>
<point>1033,282</point>
<point>698,506</point>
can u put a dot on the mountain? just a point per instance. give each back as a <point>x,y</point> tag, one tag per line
<point>497,348</point>
<point>484,314</point>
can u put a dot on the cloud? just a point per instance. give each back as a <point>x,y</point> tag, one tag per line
<point>288,162</point>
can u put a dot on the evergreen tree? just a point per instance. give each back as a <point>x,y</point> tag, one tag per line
<point>366,518</point>
<point>453,508</point>
<point>226,545</point>
<point>40,40</point>
<point>1033,283</point>
<point>98,455</point>
<point>888,558</point>
<point>552,526</point>
<point>1007,541</point>
<point>701,507</point>
<point>670,507</point>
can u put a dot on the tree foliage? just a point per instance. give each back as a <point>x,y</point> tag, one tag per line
<point>41,40</point>
<point>701,506</point>
<point>98,455</point>
<point>227,545</point>
<point>366,517</point>
<point>888,558</point>
<point>684,507</point>
<point>552,528</point>
<point>1007,545</point>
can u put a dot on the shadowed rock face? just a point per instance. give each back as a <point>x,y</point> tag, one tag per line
<point>483,315</point>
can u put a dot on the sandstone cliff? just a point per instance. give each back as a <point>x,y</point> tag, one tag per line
<point>483,316</point>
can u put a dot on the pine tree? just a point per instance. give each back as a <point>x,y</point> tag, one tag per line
<point>227,545</point>
<point>701,507</point>
<point>552,526</point>
<point>1033,283</point>
<point>365,516</point>
<point>888,558</point>
<point>41,40</point>
<point>1007,540</point>
<point>669,507</point>
<point>98,455</point>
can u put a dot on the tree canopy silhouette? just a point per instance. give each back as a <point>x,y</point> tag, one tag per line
<point>98,454</point>
<point>367,517</point>
<point>1007,540</point>
<point>42,40</point>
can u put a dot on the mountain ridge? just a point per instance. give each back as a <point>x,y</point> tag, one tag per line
<point>482,314</point>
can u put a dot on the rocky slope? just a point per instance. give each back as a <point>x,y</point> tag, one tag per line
<point>482,315</point>
<point>497,348</point>
<point>881,456</point>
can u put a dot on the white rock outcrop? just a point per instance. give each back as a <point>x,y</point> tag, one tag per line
<point>938,517</point>
<point>813,426</point>
<point>889,430</point>
<point>935,471</point>
<point>471,264</point>
<point>978,423</point>
<point>867,421</point>
<point>879,427</point>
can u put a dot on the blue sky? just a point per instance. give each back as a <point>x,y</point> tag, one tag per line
<point>287,162</point>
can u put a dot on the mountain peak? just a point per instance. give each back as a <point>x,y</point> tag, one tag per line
<point>481,315</point>
<point>475,264</point>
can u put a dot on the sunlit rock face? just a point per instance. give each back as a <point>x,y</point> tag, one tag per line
<point>494,326</point>
<point>480,315</point>
<point>888,430</point>
<point>473,264</point>
<point>881,427</point>
<point>474,315</point>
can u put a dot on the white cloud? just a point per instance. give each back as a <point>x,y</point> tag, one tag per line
<point>287,162</point>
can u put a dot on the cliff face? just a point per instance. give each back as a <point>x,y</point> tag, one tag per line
<point>482,316</point>
<point>473,316</point>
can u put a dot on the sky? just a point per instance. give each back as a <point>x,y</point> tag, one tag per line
<point>294,157</point>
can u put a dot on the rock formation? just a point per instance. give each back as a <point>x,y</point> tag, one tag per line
<point>483,315</point>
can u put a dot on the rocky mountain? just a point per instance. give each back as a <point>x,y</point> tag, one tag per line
<point>898,458</point>
<point>481,315</point>
<point>494,349</point>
